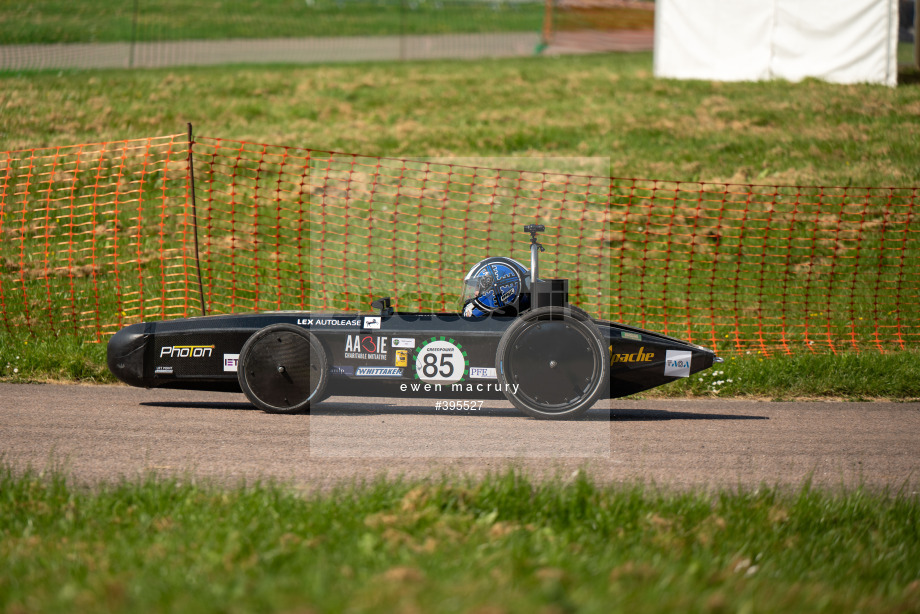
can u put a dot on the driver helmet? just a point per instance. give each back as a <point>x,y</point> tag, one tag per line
<point>495,285</point>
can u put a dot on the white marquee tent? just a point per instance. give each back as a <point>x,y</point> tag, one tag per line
<point>841,41</point>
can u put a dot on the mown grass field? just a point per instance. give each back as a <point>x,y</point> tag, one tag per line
<point>500,544</point>
<point>809,133</point>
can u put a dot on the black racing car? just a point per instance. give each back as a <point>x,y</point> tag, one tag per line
<point>516,338</point>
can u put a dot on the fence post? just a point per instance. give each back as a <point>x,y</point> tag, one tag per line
<point>402,30</point>
<point>191,174</point>
<point>547,33</point>
<point>133,35</point>
<point>916,33</point>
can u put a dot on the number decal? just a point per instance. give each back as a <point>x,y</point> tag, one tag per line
<point>440,360</point>
<point>448,365</point>
<point>431,365</point>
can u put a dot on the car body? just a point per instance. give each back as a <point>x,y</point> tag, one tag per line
<point>550,359</point>
<point>441,355</point>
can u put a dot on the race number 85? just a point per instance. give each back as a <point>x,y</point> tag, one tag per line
<point>430,369</point>
<point>440,362</point>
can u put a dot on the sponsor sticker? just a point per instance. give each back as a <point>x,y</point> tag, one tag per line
<point>163,371</point>
<point>402,342</point>
<point>677,363</point>
<point>186,351</point>
<point>365,347</point>
<point>378,372</point>
<point>328,322</point>
<point>483,373</point>
<point>440,361</point>
<point>628,335</point>
<point>372,322</point>
<point>640,356</point>
<point>402,358</point>
<point>231,361</point>
<point>343,370</point>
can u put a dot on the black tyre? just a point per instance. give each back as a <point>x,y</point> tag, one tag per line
<point>283,369</point>
<point>557,359</point>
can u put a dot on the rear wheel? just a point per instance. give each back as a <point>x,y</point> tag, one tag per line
<point>553,363</point>
<point>283,369</point>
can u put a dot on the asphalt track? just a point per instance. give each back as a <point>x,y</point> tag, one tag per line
<point>105,433</point>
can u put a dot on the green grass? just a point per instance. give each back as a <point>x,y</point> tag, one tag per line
<point>849,376</point>
<point>503,543</point>
<point>809,133</point>
<point>98,21</point>
<point>24,358</point>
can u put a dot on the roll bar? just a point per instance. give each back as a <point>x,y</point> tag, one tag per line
<point>535,249</point>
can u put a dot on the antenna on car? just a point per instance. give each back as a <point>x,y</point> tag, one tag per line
<point>535,249</point>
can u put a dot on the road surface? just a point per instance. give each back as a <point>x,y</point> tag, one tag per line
<point>160,54</point>
<point>103,433</point>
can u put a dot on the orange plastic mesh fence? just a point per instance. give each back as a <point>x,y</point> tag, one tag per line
<point>93,236</point>
<point>103,235</point>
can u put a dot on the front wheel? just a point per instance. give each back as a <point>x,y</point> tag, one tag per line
<point>282,369</point>
<point>552,363</point>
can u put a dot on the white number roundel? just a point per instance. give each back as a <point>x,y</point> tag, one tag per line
<point>440,362</point>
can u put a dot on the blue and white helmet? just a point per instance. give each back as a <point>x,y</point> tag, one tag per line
<point>495,284</point>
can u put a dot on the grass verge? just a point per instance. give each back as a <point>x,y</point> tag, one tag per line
<point>850,376</point>
<point>502,544</point>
